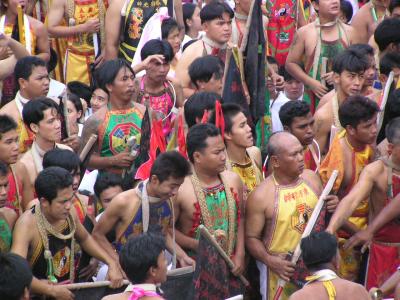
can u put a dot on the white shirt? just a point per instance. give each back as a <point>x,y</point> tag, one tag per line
<point>275,107</point>
<point>55,89</point>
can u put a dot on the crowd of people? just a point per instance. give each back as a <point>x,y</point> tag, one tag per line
<point>118,139</point>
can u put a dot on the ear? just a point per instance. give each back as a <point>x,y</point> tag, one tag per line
<point>153,179</point>
<point>390,147</point>
<point>196,157</point>
<point>336,78</point>
<point>227,136</point>
<point>34,128</point>
<point>109,88</point>
<point>383,78</point>
<point>351,130</point>
<point>44,202</point>
<point>286,128</point>
<point>315,5</point>
<point>274,162</point>
<point>26,296</point>
<point>189,22</point>
<point>152,272</point>
<point>205,26</point>
<point>22,83</point>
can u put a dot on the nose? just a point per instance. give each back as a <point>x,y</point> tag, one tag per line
<point>3,190</point>
<point>57,123</point>
<point>68,205</point>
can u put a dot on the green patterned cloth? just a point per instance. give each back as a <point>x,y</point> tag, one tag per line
<point>5,236</point>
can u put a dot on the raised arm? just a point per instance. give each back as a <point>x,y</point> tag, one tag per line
<point>113,28</point>
<point>42,40</point>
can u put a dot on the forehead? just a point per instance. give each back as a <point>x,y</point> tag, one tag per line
<point>9,134</point>
<point>49,113</point>
<point>225,17</point>
<point>239,118</point>
<point>3,180</point>
<point>308,118</point>
<point>214,142</point>
<point>39,70</point>
<point>66,193</point>
<point>99,93</point>
<point>124,71</point>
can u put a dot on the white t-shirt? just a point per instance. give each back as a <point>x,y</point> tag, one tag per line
<point>275,107</point>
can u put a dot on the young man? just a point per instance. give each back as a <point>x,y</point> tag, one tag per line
<point>273,224</point>
<point>116,122</point>
<point>319,251</point>
<point>216,18</point>
<point>387,36</point>
<point>380,183</point>
<point>197,104</point>
<point>84,31</point>
<point>349,68</point>
<point>349,153</point>
<point>33,81</point>
<point>206,74</point>
<point>133,212</point>
<point>143,261</point>
<point>297,119</point>
<point>47,233</point>
<point>41,118</point>
<point>292,91</point>
<point>315,43</point>
<point>211,196</point>
<point>106,188</point>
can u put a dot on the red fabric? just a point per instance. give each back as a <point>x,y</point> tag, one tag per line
<point>181,137</point>
<point>204,119</point>
<point>12,201</point>
<point>309,162</point>
<point>219,118</point>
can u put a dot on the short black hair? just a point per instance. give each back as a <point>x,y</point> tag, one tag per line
<point>271,60</point>
<point>393,4</point>
<point>351,61</point>
<point>76,101</point>
<point>388,62</point>
<point>387,32</point>
<point>3,169</point>
<point>318,249</point>
<point>50,181</point>
<point>347,9</point>
<point>33,111</point>
<point>139,254</point>
<point>7,124</point>
<point>109,71</point>
<point>170,164</point>
<point>230,110</point>
<point>392,131</point>
<point>80,89</point>
<point>24,67</point>
<point>363,49</point>
<point>104,181</point>
<point>197,136</point>
<point>188,10</point>
<point>51,65</point>
<point>357,109</point>
<point>157,47</point>
<point>195,106</point>
<point>167,25</point>
<point>285,74</point>
<point>15,276</point>
<point>215,10</point>
<point>62,158</point>
<point>291,110</point>
<point>204,67</point>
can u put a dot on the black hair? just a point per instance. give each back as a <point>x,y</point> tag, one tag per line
<point>104,181</point>
<point>196,105</point>
<point>197,136</point>
<point>187,44</point>
<point>24,67</point>
<point>393,4</point>
<point>50,181</point>
<point>109,71</point>
<point>387,32</point>
<point>52,63</point>
<point>285,74</point>
<point>76,101</point>
<point>347,10</point>
<point>215,10</point>
<point>357,109</point>
<point>393,131</point>
<point>291,110</point>
<point>15,276</point>
<point>392,111</point>
<point>188,10</point>
<point>204,67</point>
<point>33,111</point>
<point>170,164</point>
<point>363,49</point>
<point>230,110</point>
<point>318,249</point>
<point>7,124</point>
<point>157,47</point>
<point>80,89</point>
<point>62,158</point>
<point>388,62</point>
<point>167,25</point>
<point>139,254</point>
<point>271,60</point>
<point>3,169</point>
<point>351,61</point>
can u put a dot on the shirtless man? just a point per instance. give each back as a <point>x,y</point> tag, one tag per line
<point>120,115</point>
<point>315,42</point>
<point>319,251</point>
<point>211,196</point>
<point>206,74</point>
<point>374,182</point>
<point>387,36</point>
<point>18,51</point>
<point>268,241</point>
<point>126,213</point>
<point>297,119</point>
<point>216,19</point>
<point>53,218</point>
<point>349,68</point>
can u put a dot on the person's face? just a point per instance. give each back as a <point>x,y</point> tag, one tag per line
<point>73,114</point>
<point>342,17</point>
<point>160,272</point>
<point>168,188</point>
<point>240,134</point>
<point>123,86</point>
<point>219,30</point>
<point>9,150</point>
<point>212,157</point>
<point>350,83</point>
<point>365,132</point>
<point>76,178</point>
<point>302,128</point>
<point>98,100</point>
<point>60,207</point>
<point>49,128</point>
<point>214,85</point>
<point>270,84</point>
<point>37,84</point>
<point>3,190</point>
<point>108,194</point>
<point>293,89</point>
<point>290,158</point>
<point>195,22</point>
<point>174,40</point>
<point>244,6</point>
<point>328,7</point>
<point>396,12</point>
<point>370,73</point>
<point>12,5</point>
<point>158,71</point>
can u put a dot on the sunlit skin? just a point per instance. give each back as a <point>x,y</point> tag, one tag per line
<point>303,129</point>
<point>9,149</point>
<point>98,100</point>
<point>108,194</point>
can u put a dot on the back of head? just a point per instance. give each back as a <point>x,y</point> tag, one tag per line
<point>204,67</point>
<point>109,71</point>
<point>33,111</point>
<point>24,67</point>
<point>196,104</point>
<point>392,111</point>
<point>3,169</point>
<point>362,49</point>
<point>393,4</point>
<point>351,61</point>
<point>197,136</point>
<point>7,124</point>
<point>167,26</point>
<point>139,254</point>
<point>291,110</point>
<point>157,47</point>
<point>274,145</point>
<point>15,276</point>
<point>388,62</point>
<point>50,181</point>
<point>187,10</point>
<point>357,109</point>
<point>318,249</point>
<point>285,74</point>
<point>392,131</point>
<point>104,181</point>
<point>387,32</point>
<point>215,10</point>
<point>62,158</point>
<point>170,164</point>
<point>80,89</point>
<point>230,110</point>
<point>347,9</point>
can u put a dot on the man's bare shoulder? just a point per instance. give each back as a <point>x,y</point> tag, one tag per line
<point>264,191</point>
<point>122,199</point>
<point>95,119</point>
<point>25,160</point>
<point>325,99</point>
<point>255,154</point>
<point>313,179</point>
<point>140,107</point>
<point>10,109</point>
<point>26,220</point>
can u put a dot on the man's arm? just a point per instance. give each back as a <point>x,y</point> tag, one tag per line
<point>42,40</point>
<point>181,256</point>
<point>321,129</point>
<point>27,188</point>
<point>360,25</point>
<point>113,28</point>
<point>238,258</point>
<point>182,70</point>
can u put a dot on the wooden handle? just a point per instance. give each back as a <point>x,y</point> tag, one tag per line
<point>88,147</point>
<point>20,23</point>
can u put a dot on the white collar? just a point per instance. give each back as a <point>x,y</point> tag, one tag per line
<point>145,286</point>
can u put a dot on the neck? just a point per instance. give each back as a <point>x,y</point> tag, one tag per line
<point>283,178</point>
<point>328,266</point>
<point>214,43</point>
<point>49,218</point>
<point>357,146</point>
<point>24,94</point>
<point>151,191</point>
<point>117,104</point>
<point>341,96</point>
<point>10,17</point>
<point>151,84</point>
<point>240,14</point>
<point>193,33</point>
<point>206,177</point>
<point>44,144</point>
<point>236,153</point>
<point>326,19</point>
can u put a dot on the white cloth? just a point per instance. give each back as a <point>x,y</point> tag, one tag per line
<point>88,181</point>
<point>275,107</point>
<point>56,88</point>
<point>263,279</point>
